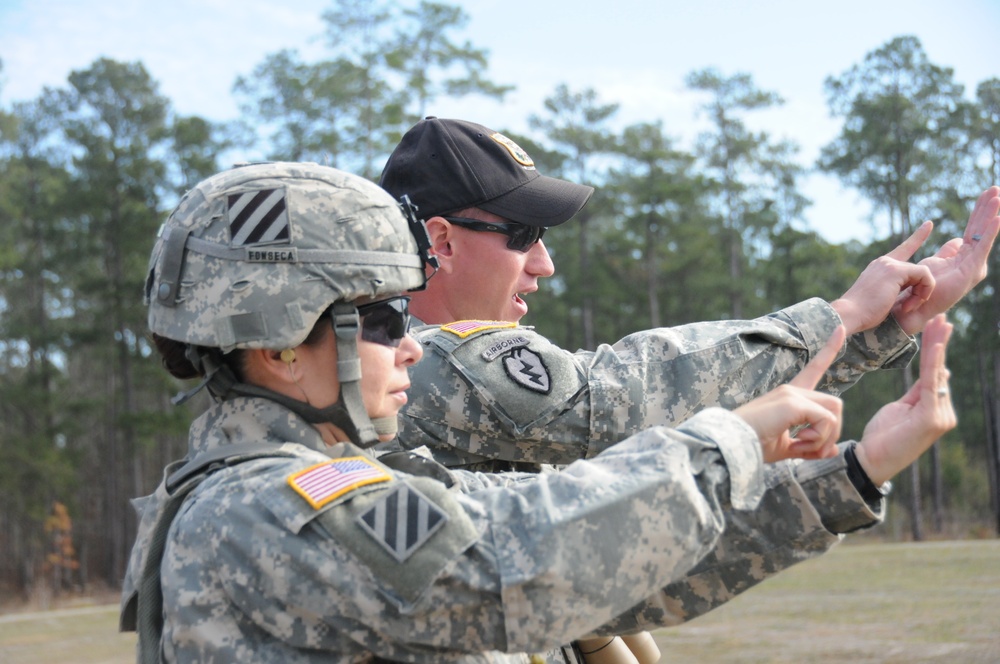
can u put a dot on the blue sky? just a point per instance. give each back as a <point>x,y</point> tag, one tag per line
<point>635,53</point>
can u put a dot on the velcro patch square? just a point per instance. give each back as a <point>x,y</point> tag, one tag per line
<point>258,217</point>
<point>465,328</point>
<point>329,480</point>
<point>402,520</point>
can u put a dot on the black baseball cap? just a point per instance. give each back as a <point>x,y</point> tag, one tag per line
<point>448,165</point>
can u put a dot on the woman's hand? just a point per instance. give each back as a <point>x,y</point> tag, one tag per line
<point>794,421</point>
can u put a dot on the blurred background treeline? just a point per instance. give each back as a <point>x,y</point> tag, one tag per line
<point>89,170</point>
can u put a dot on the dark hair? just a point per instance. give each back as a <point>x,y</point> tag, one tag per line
<point>173,353</point>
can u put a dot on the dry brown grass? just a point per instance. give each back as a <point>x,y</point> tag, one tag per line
<point>906,603</point>
<point>929,602</point>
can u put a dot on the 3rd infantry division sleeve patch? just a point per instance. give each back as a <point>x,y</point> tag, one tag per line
<point>329,480</point>
<point>402,520</point>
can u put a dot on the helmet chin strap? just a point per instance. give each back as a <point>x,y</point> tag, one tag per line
<point>346,326</point>
<point>385,426</point>
<point>347,414</point>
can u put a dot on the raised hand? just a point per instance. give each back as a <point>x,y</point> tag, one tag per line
<point>903,430</point>
<point>794,421</point>
<point>889,281</point>
<point>957,267</point>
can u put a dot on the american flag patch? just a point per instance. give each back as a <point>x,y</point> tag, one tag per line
<point>258,217</point>
<point>326,481</point>
<point>464,328</point>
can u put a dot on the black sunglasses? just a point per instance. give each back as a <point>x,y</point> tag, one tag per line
<point>521,237</point>
<point>385,322</point>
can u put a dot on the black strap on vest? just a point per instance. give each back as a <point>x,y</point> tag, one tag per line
<point>224,455</point>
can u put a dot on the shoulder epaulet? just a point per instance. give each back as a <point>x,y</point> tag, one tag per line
<point>224,455</point>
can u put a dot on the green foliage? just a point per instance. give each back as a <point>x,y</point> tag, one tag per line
<point>423,48</point>
<point>385,68</point>
<point>670,236</point>
<point>196,144</point>
<point>313,108</point>
<point>577,125</point>
<point>986,127</point>
<point>751,173</point>
<point>663,246</point>
<point>904,126</point>
<point>84,170</point>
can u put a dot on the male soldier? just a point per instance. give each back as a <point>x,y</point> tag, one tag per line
<point>516,397</point>
<point>490,395</point>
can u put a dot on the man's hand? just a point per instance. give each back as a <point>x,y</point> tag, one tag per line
<point>957,267</point>
<point>888,281</point>
<point>903,430</point>
<point>815,417</point>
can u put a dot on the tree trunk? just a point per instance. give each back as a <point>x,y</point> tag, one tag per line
<point>735,272</point>
<point>652,275</point>
<point>991,418</point>
<point>995,426</point>
<point>916,513</point>
<point>937,483</point>
<point>586,299</point>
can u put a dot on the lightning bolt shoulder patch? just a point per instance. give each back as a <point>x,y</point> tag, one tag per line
<point>526,368</point>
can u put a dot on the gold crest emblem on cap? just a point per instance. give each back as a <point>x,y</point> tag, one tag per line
<point>519,155</point>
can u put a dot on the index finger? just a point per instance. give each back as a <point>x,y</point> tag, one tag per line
<point>811,374</point>
<point>909,246</point>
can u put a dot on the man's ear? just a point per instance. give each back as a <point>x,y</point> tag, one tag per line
<point>440,233</point>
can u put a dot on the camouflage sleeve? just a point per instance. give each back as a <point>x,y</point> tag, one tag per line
<point>806,509</point>
<point>886,346</point>
<point>509,394</point>
<point>590,551</point>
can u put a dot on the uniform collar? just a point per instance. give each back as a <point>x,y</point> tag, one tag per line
<point>245,419</point>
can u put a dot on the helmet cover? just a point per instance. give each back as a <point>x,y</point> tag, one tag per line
<point>252,256</point>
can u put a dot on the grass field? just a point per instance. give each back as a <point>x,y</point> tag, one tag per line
<point>907,603</point>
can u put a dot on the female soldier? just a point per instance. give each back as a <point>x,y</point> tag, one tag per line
<point>280,538</point>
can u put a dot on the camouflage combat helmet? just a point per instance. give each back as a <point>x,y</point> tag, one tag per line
<point>253,256</point>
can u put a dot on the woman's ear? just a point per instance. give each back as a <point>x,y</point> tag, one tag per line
<point>270,368</point>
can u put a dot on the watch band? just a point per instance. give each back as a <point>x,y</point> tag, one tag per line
<point>871,492</point>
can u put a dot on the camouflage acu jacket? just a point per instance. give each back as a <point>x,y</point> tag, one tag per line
<point>487,394</point>
<point>327,554</point>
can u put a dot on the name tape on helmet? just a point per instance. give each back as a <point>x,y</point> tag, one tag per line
<point>284,255</point>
